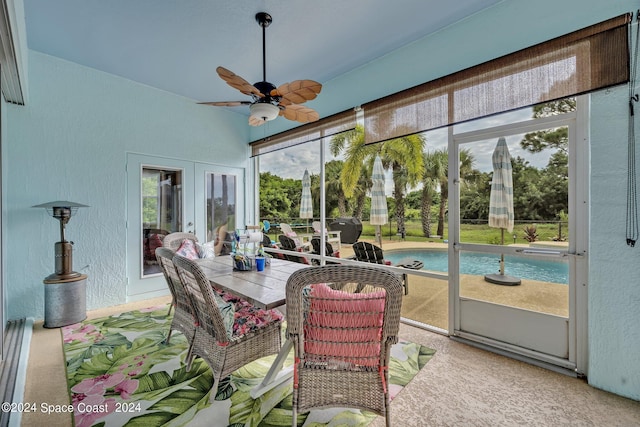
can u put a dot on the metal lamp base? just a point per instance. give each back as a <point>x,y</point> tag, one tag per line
<point>65,300</point>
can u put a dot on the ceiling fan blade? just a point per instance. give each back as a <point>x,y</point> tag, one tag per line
<point>256,121</point>
<point>237,82</point>
<point>299,113</point>
<point>226,103</point>
<point>297,91</point>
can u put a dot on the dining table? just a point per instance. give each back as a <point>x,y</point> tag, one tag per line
<point>265,289</point>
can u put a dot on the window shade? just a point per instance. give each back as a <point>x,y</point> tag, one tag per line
<point>593,58</point>
<point>328,126</point>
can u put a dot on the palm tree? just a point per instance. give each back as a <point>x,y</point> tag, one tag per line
<point>334,193</point>
<point>402,155</point>
<point>355,179</point>
<point>435,168</point>
<point>466,173</point>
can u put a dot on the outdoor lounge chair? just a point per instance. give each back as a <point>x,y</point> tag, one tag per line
<point>343,320</point>
<point>368,252</point>
<point>328,249</point>
<point>288,244</point>
<point>333,237</point>
<point>231,332</point>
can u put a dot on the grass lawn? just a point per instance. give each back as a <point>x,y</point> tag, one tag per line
<point>469,233</point>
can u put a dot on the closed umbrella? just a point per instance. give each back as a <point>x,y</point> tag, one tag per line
<point>306,204</point>
<point>379,214</point>
<point>501,204</point>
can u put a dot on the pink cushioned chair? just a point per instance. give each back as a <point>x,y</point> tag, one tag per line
<point>343,320</point>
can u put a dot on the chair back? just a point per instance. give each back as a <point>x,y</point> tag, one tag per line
<point>343,320</point>
<point>285,228</point>
<point>203,298</point>
<point>365,251</point>
<point>315,243</point>
<point>288,244</point>
<point>174,240</point>
<point>317,227</point>
<point>180,296</point>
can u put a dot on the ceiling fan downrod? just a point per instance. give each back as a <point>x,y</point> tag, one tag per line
<point>264,19</point>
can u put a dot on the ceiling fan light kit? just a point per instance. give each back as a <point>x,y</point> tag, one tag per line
<point>268,101</point>
<point>264,111</point>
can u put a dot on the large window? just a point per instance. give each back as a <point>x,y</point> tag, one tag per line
<point>161,211</point>
<point>221,209</point>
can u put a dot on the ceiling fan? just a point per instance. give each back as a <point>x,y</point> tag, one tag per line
<point>269,101</point>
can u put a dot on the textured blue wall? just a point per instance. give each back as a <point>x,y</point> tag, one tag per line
<point>70,143</point>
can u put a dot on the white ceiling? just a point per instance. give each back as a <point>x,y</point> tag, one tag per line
<point>176,45</point>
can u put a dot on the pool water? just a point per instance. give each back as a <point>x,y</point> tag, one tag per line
<point>477,263</point>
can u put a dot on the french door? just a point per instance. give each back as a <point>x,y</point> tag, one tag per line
<point>170,195</point>
<point>531,299</point>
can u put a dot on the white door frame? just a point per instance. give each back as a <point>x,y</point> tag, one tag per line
<point>193,218</point>
<point>150,286</point>
<point>565,336</point>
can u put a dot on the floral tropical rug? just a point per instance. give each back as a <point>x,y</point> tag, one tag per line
<point>120,373</point>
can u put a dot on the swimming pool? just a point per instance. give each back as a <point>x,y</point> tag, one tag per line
<point>477,263</point>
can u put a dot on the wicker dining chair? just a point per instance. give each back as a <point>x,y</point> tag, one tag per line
<point>231,332</point>
<point>343,320</point>
<point>174,240</point>
<point>184,319</point>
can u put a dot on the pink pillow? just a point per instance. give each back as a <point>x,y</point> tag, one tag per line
<point>188,249</point>
<point>344,325</point>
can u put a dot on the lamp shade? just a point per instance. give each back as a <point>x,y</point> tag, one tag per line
<point>52,207</point>
<point>264,111</point>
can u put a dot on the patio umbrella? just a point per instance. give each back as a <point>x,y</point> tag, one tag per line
<point>379,214</point>
<point>501,204</point>
<point>306,204</point>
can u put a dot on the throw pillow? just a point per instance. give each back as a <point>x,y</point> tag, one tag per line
<point>206,250</point>
<point>188,249</point>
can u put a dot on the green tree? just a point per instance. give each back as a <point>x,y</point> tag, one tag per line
<point>279,198</point>
<point>403,156</point>
<point>435,171</point>
<point>333,188</point>
<point>557,138</point>
<point>475,196</point>
<point>467,173</point>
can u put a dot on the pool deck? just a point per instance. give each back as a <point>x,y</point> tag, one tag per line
<point>428,303</point>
